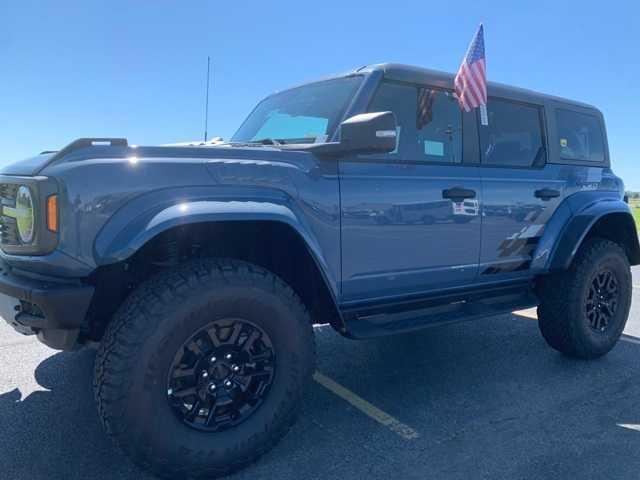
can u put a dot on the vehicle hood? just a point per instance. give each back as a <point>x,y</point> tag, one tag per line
<point>27,167</point>
<point>247,163</point>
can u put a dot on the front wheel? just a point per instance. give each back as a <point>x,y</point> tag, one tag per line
<point>583,311</point>
<point>202,369</point>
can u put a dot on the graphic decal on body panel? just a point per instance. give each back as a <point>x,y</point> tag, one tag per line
<point>522,244</point>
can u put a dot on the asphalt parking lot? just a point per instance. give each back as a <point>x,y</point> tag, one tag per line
<point>476,400</point>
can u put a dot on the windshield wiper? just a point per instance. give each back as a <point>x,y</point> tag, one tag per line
<point>269,141</point>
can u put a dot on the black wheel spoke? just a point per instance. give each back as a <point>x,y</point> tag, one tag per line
<point>185,392</point>
<point>221,374</point>
<point>183,372</point>
<point>194,348</point>
<point>235,333</point>
<point>265,356</point>
<point>193,411</point>
<point>603,320</point>
<point>251,339</point>
<point>211,416</point>
<point>212,334</point>
<point>259,373</point>
<point>613,305</point>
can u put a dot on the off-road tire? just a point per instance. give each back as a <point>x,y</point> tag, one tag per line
<point>562,316</point>
<point>142,339</point>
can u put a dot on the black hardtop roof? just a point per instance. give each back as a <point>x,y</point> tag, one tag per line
<point>413,74</point>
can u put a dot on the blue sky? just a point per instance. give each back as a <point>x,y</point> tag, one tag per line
<point>136,69</point>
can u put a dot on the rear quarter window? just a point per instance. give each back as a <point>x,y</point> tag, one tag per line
<point>580,136</point>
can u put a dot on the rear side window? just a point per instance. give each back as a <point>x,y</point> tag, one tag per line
<point>580,136</point>
<point>513,137</point>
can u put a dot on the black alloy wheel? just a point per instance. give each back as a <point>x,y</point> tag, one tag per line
<point>603,298</point>
<point>221,374</point>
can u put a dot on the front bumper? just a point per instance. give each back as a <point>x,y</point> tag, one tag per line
<point>50,308</point>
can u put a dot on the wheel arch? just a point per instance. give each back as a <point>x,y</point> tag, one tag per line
<point>225,229</point>
<point>607,218</point>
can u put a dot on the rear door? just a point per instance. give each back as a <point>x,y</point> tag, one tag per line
<point>410,218</point>
<point>520,190</point>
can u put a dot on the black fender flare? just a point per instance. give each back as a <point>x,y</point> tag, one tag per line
<point>574,220</point>
<point>155,212</point>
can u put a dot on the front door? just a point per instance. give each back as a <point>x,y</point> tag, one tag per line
<point>411,218</point>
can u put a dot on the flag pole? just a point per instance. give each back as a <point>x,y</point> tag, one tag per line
<point>206,105</point>
<point>484,115</point>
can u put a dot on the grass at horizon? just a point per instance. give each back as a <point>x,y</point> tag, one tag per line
<point>635,208</point>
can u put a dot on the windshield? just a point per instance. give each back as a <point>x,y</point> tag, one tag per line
<point>304,114</point>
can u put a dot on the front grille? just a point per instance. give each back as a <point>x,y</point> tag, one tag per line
<point>8,225</point>
<point>8,192</point>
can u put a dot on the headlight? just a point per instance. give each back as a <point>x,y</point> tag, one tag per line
<point>29,215</point>
<point>25,217</point>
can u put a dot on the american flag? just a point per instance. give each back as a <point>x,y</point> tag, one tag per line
<point>471,79</point>
<point>425,107</point>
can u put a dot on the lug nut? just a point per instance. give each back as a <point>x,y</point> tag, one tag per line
<point>205,374</point>
<point>227,383</point>
<point>228,356</point>
<point>202,412</point>
<point>235,368</point>
<point>170,391</point>
<point>213,359</point>
<point>212,387</point>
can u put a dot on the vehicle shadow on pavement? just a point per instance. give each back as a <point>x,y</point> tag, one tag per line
<point>489,400</point>
<point>55,433</point>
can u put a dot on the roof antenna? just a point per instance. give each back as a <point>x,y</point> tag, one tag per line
<point>206,106</point>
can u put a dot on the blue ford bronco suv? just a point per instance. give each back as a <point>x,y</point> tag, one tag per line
<point>369,201</point>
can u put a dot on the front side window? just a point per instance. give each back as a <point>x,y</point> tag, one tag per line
<point>304,114</point>
<point>580,136</point>
<point>513,136</point>
<point>429,122</point>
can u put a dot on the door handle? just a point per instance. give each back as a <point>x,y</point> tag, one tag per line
<point>547,193</point>
<point>458,194</point>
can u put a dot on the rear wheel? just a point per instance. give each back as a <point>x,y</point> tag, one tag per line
<point>583,311</point>
<point>202,370</point>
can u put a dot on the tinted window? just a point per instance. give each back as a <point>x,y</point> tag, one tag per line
<point>284,126</point>
<point>429,122</point>
<point>580,136</point>
<point>513,136</point>
<point>301,115</point>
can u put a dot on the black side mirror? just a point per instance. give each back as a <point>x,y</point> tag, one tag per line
<point>369,133</point>
<point>364,133</point>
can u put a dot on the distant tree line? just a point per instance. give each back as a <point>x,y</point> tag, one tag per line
<point>633,195</point>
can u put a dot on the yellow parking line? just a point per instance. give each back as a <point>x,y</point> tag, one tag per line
<point>630,339</point>
<point>365,407</point>
<point>630,426</point>
<point>530,313</point>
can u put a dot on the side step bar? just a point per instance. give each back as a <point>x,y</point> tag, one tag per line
<point>405,317</point>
